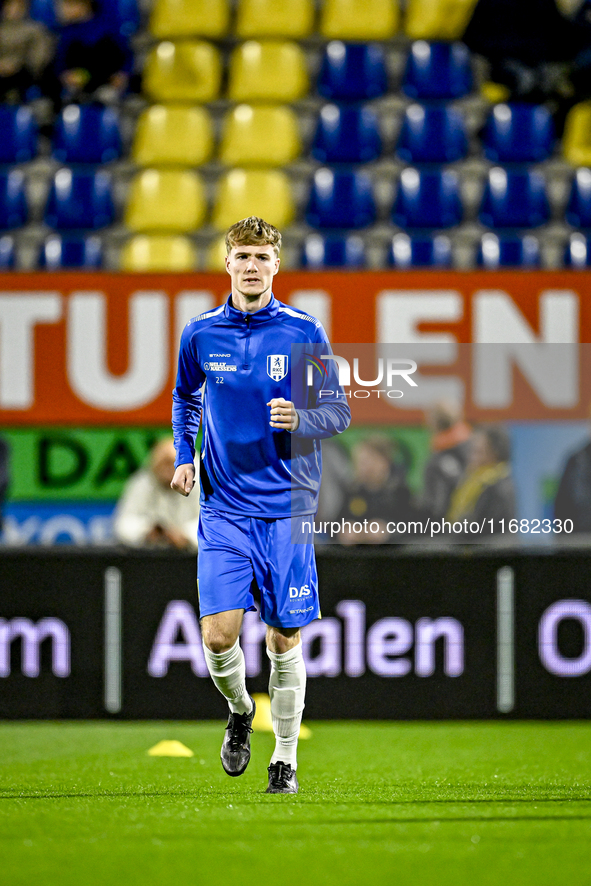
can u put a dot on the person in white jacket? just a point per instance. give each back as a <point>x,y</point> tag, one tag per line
<point>149,513</point>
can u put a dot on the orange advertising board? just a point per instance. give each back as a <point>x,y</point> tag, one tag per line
<point>97,349</point>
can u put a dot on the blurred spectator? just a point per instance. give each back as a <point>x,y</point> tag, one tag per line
<point>486,493</point>
<point>4,476</point>
<point>26,48</point>
<point>149,513</point>
<point>336,479</point>
<point>93,60</point>
<point>450,448</point>
<point>539,53</point>
<point>573,499</point>
<point>378,493</point>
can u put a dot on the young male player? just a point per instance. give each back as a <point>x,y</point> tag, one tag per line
<point>263,419</point>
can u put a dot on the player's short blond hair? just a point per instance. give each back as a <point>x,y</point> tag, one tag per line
<point>253,231</point>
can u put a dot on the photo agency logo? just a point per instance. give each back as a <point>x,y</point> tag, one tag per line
<point>390,373</point>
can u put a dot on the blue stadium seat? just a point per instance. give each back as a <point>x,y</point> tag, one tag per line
<point>431,251</point>
<point>7,253</point>
<point>578,210</point>
<point>437,71</point>
<point>18,134</point>
<point>80,200</point>
<point>44,11</point>
<point>508,251</point>
<point>519,133</point>
<point>347,135</point>
<point>352,71</point>
<point>514,199</point>
<point>340,199</point>
<point>13,200</point>
<point>333,251</point>
<point>577,252</point>
<point>87,134</point>
<point>71,251</point>
<point>432,134</point>
<point>427,199</point>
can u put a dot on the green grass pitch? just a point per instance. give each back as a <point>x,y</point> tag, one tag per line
<point>82,804</point>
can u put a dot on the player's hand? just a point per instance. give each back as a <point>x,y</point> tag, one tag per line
<point>283,414</point>
<point>184,479</point>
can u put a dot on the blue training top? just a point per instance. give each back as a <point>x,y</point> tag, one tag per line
<point>246,360</point>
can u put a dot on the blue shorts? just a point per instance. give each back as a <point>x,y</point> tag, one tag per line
<point>236,553</point>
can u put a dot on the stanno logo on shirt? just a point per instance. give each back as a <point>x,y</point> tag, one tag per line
<point>277,366</point>
<point>219,367</point>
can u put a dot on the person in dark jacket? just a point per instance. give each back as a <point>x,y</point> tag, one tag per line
<point>573,499</point>
<point>450,449</point>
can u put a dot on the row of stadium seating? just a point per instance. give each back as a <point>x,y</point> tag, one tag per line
<point>343,250</point>
<point>297,19</point>
<point>269,135</point>
<point>176,201</point>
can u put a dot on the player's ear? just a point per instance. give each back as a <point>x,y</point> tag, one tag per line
<point>277,263</point>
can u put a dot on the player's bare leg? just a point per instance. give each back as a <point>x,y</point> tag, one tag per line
<point>287,689</point>
<point>225,661</point>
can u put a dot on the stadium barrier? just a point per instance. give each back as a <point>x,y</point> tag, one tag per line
<point>406,633</point>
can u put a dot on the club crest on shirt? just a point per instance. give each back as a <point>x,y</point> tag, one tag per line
<point>277,366</point>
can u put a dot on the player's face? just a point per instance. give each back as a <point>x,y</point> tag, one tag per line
<point>252,269</point>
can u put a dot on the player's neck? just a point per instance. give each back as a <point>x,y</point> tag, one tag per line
<point>248,304</point>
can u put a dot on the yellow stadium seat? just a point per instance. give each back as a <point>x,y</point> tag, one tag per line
<point>275,18</point>
<point>189,18</point>
<point>215,258</point>
<point>263,192</point>
<point>186,71</point>
<point>165,200</point>
<point>260,135</point>
<point>169,135</point>
<point>359,19</point>
<point>437,19</point>
<point>576,141</point>
<point>158,252</point>
<point>270,70</point>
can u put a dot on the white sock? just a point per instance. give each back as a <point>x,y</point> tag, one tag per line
<point>287,689</point>
<point>228,672</point>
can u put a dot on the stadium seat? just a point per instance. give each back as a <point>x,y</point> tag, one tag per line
<point>187,71</point>
<point>18,134</point>
<point>437,19</point>
<point>422,251</point>
<point>260,135</point>
<point>578,210</point>
<point>173,135</point>
<point>333,251</point>
<point>427,199</point>
<point>432,134</point>
<point>347,135</point>
<point>270,70</point>
<point>514,199</point>
<point>158,252</point>
<point>341,199</point>
<point>215,256</point>
<point>352,71</point>
<point>87,134</point>
<point>577,252</point>
<point>508,251</point>
<point>71,251</point>
<point>189,18</point>
<point>80,200</point>
<point>359,19</point>
<point>7,253</point>
<point>274,18</point>
<point>165,200</point>
<point>437,71</point>
<point>13,200</point>
<point>44,11</point>
<point>576,141</point>
<point>518,133</point>
<point>263,192</point>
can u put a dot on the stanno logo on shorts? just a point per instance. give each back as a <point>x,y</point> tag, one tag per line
<point>277,366</point>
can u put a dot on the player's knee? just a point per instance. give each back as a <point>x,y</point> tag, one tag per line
<point>217,639</point>
<point>282,640</point>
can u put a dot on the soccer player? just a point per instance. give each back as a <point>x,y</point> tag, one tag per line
<point>263,419</point>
